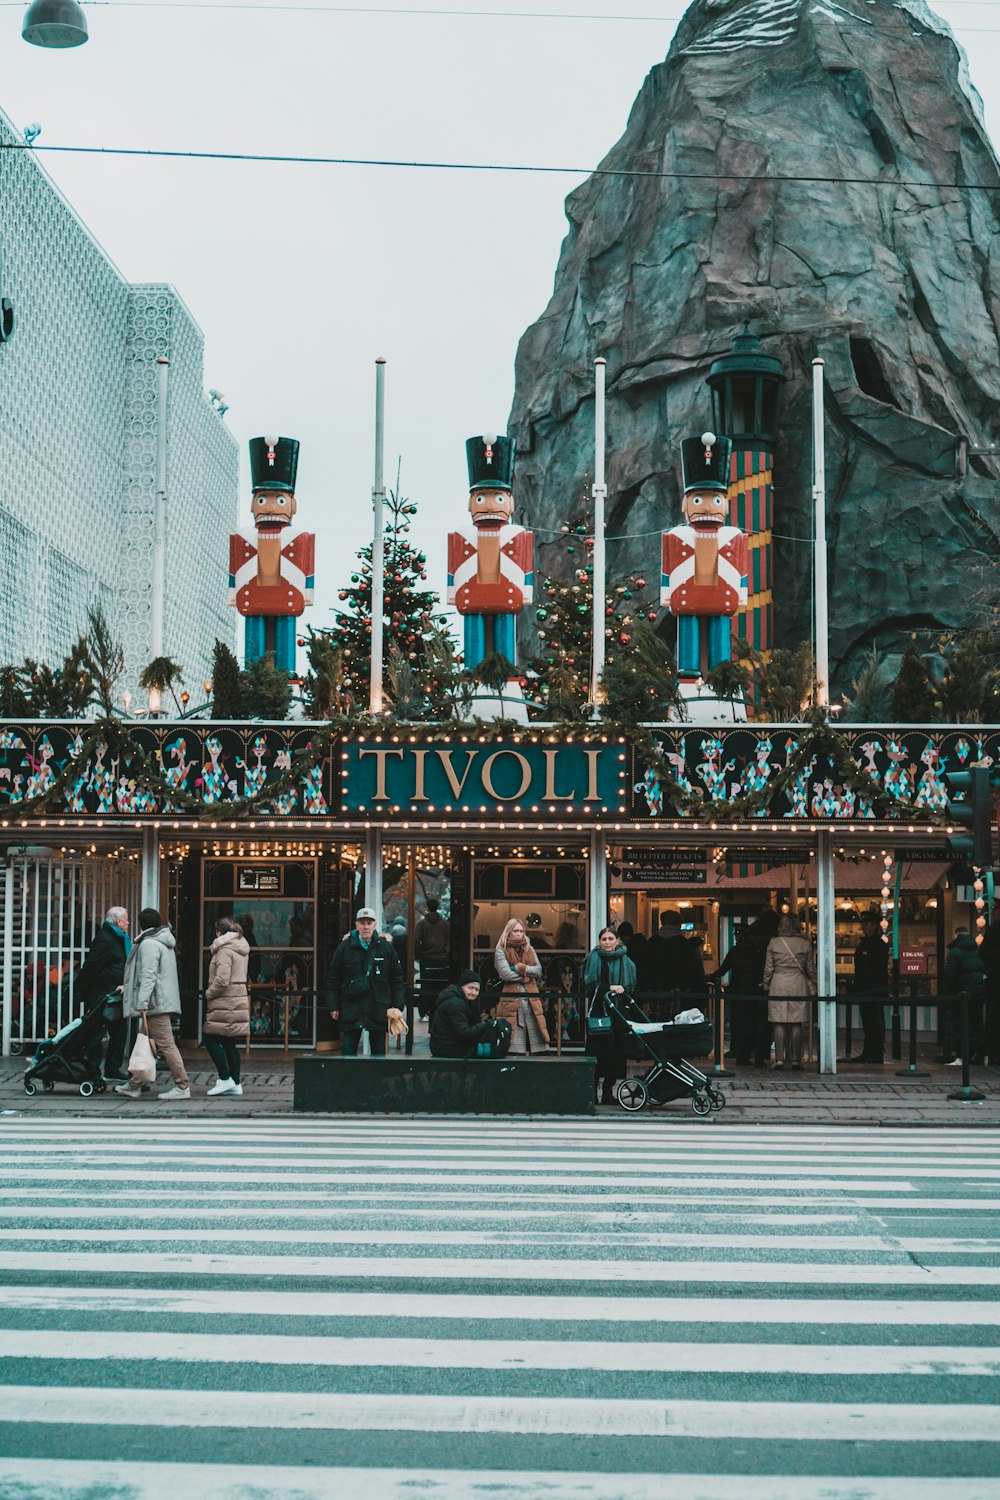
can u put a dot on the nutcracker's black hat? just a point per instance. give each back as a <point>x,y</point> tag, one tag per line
<point>705,462</point>
<point>491,462</point>
<point>273,463</point>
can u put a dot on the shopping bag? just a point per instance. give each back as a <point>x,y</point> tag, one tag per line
<point>396,1022</point>
<point>141,1063</point>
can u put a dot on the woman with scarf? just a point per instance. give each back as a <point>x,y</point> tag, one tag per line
<point>608,969</point>
<point>520,1002</point>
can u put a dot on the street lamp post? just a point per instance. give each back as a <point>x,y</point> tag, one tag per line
<point>600,496</point>
<point>378,545</point>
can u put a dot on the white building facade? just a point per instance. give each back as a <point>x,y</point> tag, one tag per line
<point>78,412</point>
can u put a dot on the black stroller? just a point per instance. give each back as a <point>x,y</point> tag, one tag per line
<point>73,1055</point>
<point>668,1044</point>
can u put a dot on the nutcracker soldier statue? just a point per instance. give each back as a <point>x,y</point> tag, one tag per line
<point>271,566</point>
<point>491,561</point>
<point>704,571</point>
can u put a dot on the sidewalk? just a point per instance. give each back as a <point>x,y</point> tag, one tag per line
<point>857,1095</point>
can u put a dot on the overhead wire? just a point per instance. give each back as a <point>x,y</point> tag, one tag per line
<point>287,159</point>
<point>264,6</point>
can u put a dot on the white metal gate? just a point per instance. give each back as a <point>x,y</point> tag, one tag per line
<point>52,907</point>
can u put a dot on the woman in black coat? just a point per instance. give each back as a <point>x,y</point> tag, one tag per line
<point>457,1027</point>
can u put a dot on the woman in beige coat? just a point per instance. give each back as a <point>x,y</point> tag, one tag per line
<point>520,1003</point>
<point>789,971</point>
<point>227,1005</point>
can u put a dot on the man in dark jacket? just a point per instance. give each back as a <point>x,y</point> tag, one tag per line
<point>365,978</point>
<point>431,949</point>
<point>964,973</point>
<point>871,977</point>
<point>457,1026</point>
<point>672,961</point>
<point>989,952</point>
<point>102,974</point>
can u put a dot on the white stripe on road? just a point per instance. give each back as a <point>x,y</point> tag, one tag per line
<point>485,1167</point>
<point>500,1354</point>
<point>376,1235</point>
<point>65,1479</point>
<point>632,1238</point>
<point>35,1213</point>
<point>440,1268</point>
<point>391,1177</point>
<point>367,1126</point>
<point>583,1158</point>
<point>787,1422</point>
<point>486,1307</point>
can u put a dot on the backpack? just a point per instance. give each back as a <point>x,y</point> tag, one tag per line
<point>498,1043</point>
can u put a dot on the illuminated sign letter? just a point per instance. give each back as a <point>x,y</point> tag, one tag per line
<point>551,795</point>
<point>593,795</point>
<point>381,795</point>
<point>491,790</point>
<point>444,756</point>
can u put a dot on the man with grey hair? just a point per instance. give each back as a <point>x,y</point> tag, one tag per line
<point>103,974</point>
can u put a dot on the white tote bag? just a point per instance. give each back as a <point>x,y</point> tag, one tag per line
<point>142,1063</point>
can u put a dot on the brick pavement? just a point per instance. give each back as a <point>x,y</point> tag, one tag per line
<point>856,1095</point>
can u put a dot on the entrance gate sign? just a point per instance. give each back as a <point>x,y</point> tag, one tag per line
<point>576,777</point>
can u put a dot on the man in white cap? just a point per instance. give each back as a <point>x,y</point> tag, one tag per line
<point>364,980</point>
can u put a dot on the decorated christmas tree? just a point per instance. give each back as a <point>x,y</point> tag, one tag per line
<point>639,674</point>
<point>412,621</point>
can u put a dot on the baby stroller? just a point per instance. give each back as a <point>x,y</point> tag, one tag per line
<point>666,1042</point>
<point>73,1055</point>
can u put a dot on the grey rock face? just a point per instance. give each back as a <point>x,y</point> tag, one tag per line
<point>835,187</point>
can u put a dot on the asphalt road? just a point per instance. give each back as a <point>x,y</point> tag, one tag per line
<point>610,1310</point>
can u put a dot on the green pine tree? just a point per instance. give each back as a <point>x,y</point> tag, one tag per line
<point>411,617</point>
<point>226,700</point>
<point>560,674</point>
<point>265,691</point>
<point>912,700</point>
<point>788,683</point>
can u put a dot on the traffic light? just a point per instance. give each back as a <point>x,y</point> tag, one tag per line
<point>969,806</point>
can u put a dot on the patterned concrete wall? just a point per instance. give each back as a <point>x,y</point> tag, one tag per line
<point>78,444</point>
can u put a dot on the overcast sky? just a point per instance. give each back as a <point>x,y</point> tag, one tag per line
<point>301,275</point>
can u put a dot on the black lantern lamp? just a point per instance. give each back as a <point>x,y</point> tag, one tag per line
<point>54,23</point>
<point>745,386</point>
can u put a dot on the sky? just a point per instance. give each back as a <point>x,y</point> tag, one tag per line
<point>301,275</point>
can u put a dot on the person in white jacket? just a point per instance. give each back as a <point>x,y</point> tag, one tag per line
<point>151,989</point>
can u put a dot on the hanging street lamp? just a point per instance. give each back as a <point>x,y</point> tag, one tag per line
<point>54,23</point>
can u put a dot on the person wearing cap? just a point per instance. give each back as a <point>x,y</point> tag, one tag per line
<point>705,560</point>
<point>271,565</point>
<point>491,561</point>
<point>457,1026</point>
<point>364,980</point>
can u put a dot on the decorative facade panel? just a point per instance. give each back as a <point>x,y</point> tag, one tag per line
<point>78,444</point>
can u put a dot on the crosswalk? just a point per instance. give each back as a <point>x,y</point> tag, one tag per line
<point>289,1309</point>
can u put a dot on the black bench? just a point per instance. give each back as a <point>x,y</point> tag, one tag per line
<point>399,1085</point>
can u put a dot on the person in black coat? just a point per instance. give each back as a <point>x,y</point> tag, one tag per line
<point>672,961</point>
<point>744,963</point>
<point>457,1027</point>
<point>103,973</point>
<point>871,977</point>
<point>365,978</point>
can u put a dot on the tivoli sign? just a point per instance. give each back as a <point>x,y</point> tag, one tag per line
<point>526,776</point>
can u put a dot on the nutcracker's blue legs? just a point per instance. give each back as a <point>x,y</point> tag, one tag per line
<point>688,646</point>
<point>475,640</point>
<point>284,643</point>
<point>505,636</point>
<point>284,640</point>
<point>255,640</point>
<point>719,628</point>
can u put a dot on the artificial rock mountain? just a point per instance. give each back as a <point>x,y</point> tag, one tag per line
<point>817,148</point>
